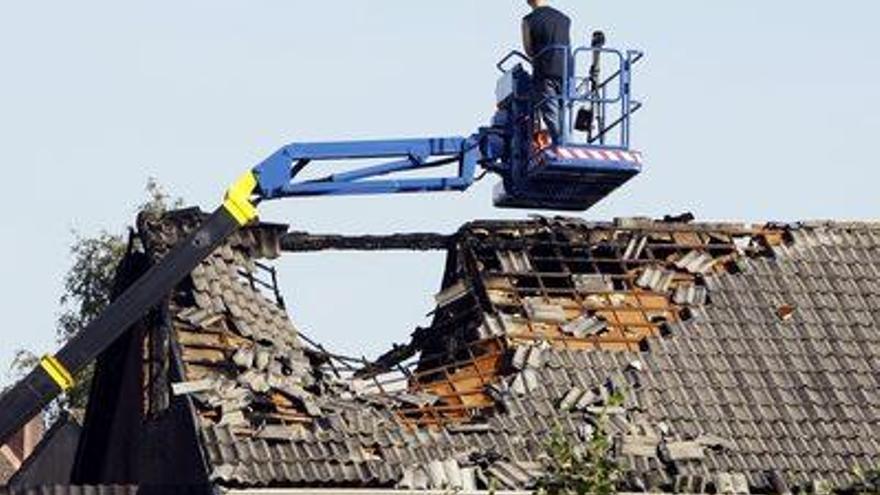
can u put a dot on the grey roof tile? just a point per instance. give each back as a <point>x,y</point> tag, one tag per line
<point>800,396</point>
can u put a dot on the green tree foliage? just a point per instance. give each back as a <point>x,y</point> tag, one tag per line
<point>88,286</point>
<point>581,468</point>
<point>867,481</point>
<point>89,282</point>
<point>24,360</point>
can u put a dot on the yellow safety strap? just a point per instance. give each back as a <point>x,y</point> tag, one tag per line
<point>57,372</point>
<point>238,199</point>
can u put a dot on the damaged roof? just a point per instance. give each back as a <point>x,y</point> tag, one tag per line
<point>74,490</point>
<point>747,356</point>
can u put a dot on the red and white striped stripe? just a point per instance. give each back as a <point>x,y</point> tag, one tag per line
<point>571,153</point>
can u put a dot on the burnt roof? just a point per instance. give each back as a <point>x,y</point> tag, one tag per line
<point>75,490</point>
<point>745,354</point>
<point>52,459</point>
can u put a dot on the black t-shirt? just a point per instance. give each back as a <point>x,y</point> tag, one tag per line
<point>547,27</point>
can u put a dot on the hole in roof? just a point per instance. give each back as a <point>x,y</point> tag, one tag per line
<point>360,304</point>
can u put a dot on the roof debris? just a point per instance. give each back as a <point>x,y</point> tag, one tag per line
<point>785,312</point>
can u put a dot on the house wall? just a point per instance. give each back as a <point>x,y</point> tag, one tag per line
<point>14,453</point>
<point>52,460</point>
<point>121,443</point>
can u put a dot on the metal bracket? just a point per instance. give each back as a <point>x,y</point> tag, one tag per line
<point>57,372</point>
<point>238,199</point>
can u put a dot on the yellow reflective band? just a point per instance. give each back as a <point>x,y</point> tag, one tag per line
<point>57,372</point>
<point>238,199</point>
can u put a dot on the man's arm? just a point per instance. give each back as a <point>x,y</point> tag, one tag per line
<point>527,39</point>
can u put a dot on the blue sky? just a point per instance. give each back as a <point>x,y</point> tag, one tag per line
<point>755,111</point>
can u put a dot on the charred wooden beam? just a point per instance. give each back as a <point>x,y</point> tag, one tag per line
<point>305,242</point>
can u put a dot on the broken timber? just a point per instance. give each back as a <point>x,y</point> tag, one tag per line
<point>305,242</point>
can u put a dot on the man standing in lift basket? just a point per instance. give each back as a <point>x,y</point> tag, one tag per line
<point>546,27</point>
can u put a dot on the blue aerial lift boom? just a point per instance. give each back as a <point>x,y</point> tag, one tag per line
<point>582,168</point>
<point>591,158</point>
